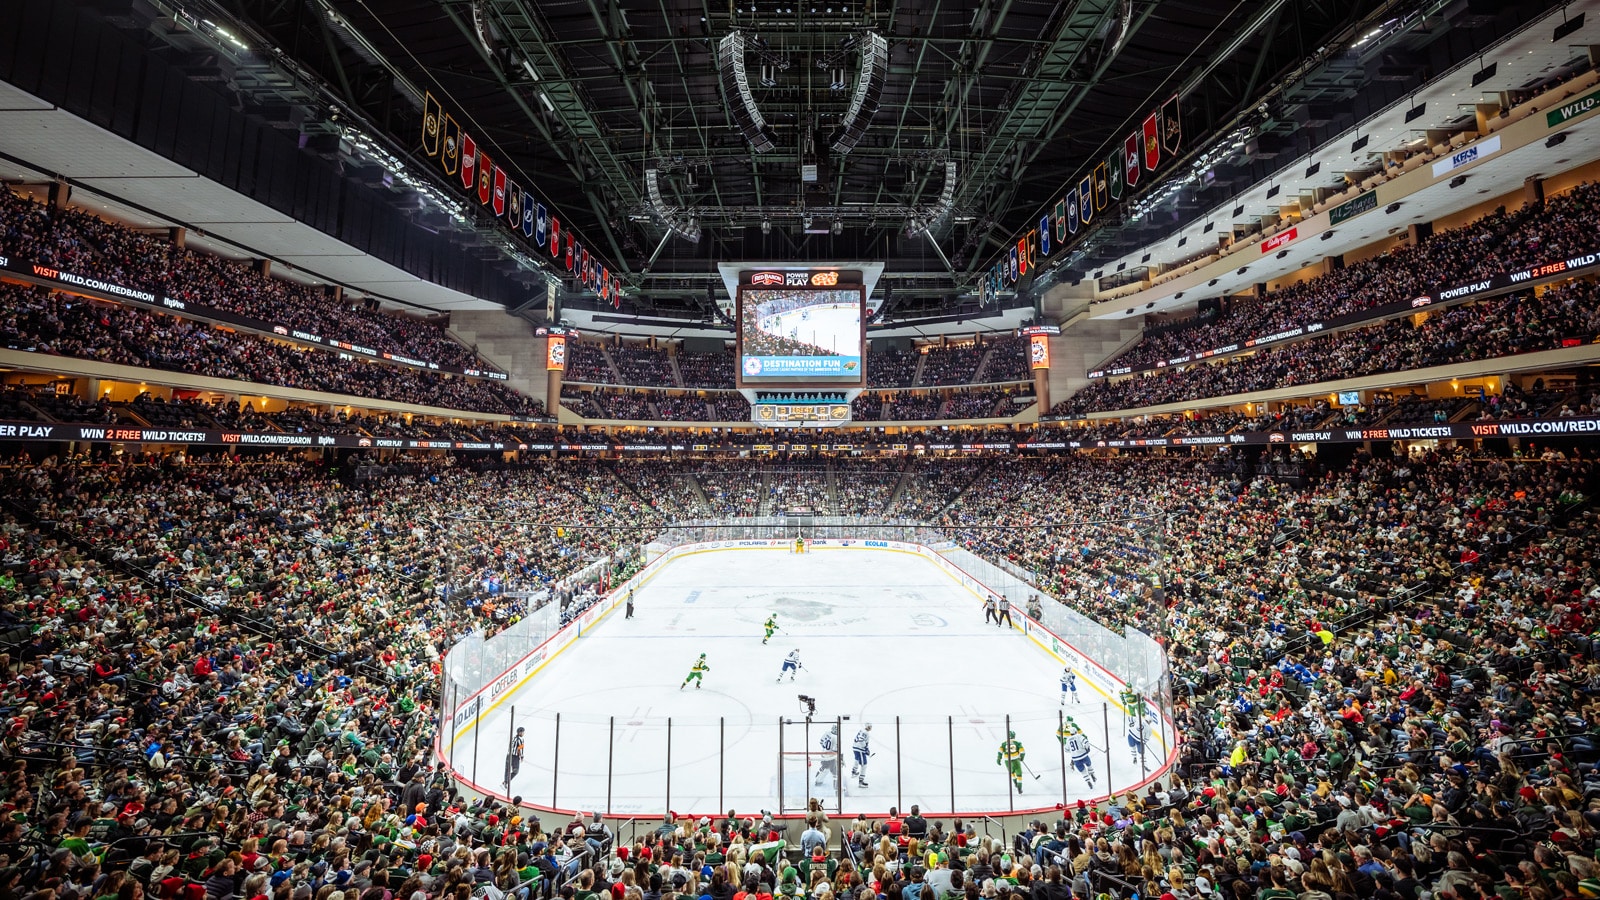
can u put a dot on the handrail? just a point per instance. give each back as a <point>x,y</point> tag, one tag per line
<point>998,824</point>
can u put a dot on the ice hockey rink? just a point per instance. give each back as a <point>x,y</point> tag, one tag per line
<point>886,638</point>
<point>835,327</point>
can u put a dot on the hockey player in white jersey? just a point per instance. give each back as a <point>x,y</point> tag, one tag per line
<point>1077,746</point>
<point>829,742</point>
<point>792,665</point>
<point>1069,685</point>
<point>862,749</point>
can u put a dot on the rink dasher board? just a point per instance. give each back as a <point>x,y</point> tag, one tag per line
<point>468,714</point>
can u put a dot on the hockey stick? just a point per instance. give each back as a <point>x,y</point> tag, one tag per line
<point>1030,770</point>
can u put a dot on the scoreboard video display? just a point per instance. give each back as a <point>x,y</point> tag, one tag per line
<point>801,327</point>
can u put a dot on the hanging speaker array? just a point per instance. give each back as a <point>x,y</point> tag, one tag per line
<point>868,93</point>
<point>736,88</point>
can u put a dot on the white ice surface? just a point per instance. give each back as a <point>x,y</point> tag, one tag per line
<point>833,327</point>
<point>881,634</point>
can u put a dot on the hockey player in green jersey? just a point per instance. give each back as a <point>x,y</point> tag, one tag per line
<point>696,673</point>
<point>1011,756</point>
<point>771,626</point>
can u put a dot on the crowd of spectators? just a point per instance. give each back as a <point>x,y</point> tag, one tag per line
<point>951,365</point>
<point>908,407</point>
<point>225,684</point>
<point>48,322</point>
<point>1499,242</point>
<point>707,370</point>
<point>1501,326</point>
<point>586,362</point>
<point>84,244</point>
<point>891,368</point>
<point>1008,360</point>
<point>643,365</point>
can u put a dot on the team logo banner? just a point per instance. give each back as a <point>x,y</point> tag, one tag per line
<point>1099,187</point>
<point>555,353</point>
<point>432,125</point>
<point>1171,127</point>
<point>461,156</point>
<point>1152,141</point>
<point>469,161</point>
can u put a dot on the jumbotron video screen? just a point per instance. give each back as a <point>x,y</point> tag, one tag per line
<point>803,334</point>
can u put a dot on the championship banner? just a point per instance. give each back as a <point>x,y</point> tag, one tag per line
<point>555,236</point>
<point>567,259</point>
<point>1039,351</point>
<point>1011,267</point>
<point>555,353</point>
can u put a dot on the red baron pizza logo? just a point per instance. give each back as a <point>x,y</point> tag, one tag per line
<point>1424,300</point>
<point>767,278</point>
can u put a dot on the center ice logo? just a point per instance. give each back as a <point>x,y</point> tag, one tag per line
<point>752,365</point>
<point>803,610</point>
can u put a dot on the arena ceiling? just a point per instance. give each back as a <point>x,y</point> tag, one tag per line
<point>584,95</point>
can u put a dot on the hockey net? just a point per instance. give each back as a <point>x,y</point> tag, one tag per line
<point>809,773</point>
<point>800,546</point>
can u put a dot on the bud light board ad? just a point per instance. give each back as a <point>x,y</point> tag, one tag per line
<point>803,333</point>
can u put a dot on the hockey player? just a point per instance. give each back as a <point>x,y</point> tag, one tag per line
<point>1133,714</point>
<point>792,665</point>
<point>829,742</point>
<point>771,626</point>
<point>863,750</point>
<point>696,673</point>
<point>1012,755</point>
<point>1077,747</point>
<point>799,545</point>
<point>1069,685</point>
